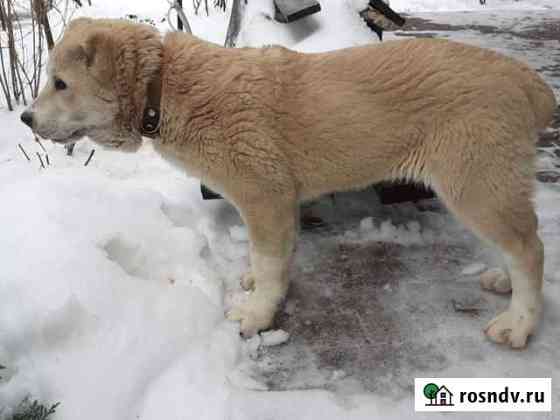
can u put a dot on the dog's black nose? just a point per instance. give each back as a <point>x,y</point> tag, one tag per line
<point>27,118</point>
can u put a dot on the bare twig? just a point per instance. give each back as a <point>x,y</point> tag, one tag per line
<point>23,42</point>
<point>235,23</point>
<point>174,5</point>
<point>462,307</point>
<point>47,159</point>
<point>41,160</point>
<point>40,10</point>
<point>89,158</point>
<point>40,144</point>
<point>24,152</point>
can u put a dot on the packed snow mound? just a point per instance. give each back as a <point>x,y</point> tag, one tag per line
<point>338,25</point>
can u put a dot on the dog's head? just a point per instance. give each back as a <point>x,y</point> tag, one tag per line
<point>97,80</point>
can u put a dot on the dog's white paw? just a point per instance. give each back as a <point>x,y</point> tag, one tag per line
<point>496,280</point>
<point>248,281</point>
<point>256,314</point>
<point>512,327</point>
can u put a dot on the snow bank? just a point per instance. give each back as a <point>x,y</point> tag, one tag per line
<point>102,288</point>
<point>337,26</point>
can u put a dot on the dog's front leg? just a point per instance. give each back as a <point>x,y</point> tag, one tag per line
<point>272,233</point>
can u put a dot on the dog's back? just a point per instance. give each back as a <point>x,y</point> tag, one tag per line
<point>376,112</point>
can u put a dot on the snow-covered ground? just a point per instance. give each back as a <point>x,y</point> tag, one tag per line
<point>115,277</point>
<point>472,5</point>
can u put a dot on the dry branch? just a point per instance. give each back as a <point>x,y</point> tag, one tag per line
<point>24,153</point>
<point>40,9</point>
<point>89,158</point>
<point>40,144</point>
<point>41,160</point>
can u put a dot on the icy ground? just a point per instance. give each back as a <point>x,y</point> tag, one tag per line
<point>115,277</point>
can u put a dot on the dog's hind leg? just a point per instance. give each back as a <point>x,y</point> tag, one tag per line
<point>491,194</point>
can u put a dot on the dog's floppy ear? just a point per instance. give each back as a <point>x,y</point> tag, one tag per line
<point>98,53</point>
<point>98,47</point>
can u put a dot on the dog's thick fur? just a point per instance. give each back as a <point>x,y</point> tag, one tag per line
<point>269,128</point>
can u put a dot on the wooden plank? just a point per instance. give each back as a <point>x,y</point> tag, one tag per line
<point>291,10</point>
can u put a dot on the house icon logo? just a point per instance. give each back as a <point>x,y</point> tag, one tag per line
<point>438,396</point>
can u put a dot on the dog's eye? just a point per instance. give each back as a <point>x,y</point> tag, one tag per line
<point>59,84</point>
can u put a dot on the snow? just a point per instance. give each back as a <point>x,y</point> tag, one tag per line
<point>337,26</point>
<point>239,233</point>
<point>116,276</point>
<point>274,338</point>
<point>408,234</point>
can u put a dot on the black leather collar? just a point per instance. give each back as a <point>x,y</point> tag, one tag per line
<point>151,118</point>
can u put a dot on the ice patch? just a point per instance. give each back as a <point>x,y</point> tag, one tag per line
<point>473,269</point>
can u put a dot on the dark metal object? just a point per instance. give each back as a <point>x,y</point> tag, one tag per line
<point>389,13</point>
<point>151,118</point>
<point>291,10</point>
<point>150,121</point>
<point>391,193</point>
<point>208,194</point>
<point>380,17</point>
<point>372,25</point>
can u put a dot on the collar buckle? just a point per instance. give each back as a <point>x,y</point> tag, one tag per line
<point>151,117</point>
<point>151,121</point>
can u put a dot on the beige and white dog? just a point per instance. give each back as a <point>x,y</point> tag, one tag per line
<point>269,128</point>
